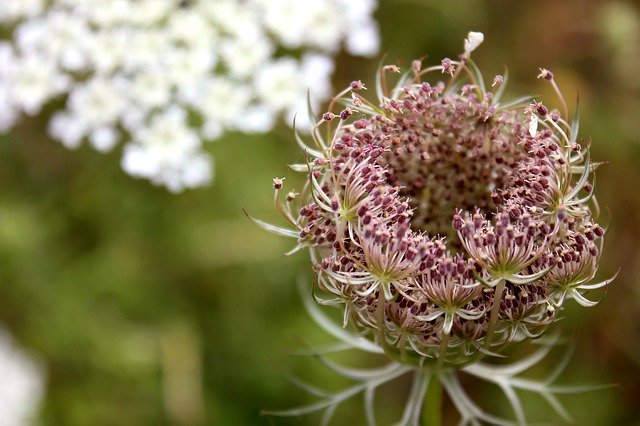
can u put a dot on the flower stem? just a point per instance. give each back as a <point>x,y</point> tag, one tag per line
<point>432,406</point>
<point>380,319</point>
<point>495,309</point>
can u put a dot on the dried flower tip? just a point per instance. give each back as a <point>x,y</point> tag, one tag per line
<point>328,116</point>
<point>357,85</point>
<point>392,68</point>
<point>447,66</point>
<point>346,113</point>
<point>416,65</point>
<point>277,183</point>
<point>357,102</point>
<point>457,221</point>
<point>391,105</point>
<point>473,40</point>
<point>540,109</point>
<point>291,195</point>
<point>546,74</point>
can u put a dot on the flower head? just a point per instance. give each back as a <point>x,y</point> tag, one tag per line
<point>448,225</point>
<point>447,222</point>
<point>125,66</point>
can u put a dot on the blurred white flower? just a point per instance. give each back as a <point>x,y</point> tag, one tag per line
<point>17,9</point>
<point>68,129</point>
<point>161,75</point>
<point>22,384</point>
<point>30,82</point>
<point>167,151</point>
<point>98,101</point>
<point>103,139</point>
<point>473,40</point>
<point>363,40</point>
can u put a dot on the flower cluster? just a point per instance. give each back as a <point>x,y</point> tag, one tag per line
<point>446,222</point>
<point>162,75</point>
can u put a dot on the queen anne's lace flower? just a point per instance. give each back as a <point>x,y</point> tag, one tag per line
<point>126,66</point>
<point>446,222</point>
<point>441,202</point>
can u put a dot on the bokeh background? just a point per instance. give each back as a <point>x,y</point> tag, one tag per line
<point>149,308</point>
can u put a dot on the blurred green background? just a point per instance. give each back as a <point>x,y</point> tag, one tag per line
<point>148,308</point>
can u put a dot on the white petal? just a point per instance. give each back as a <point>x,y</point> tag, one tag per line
<point>533,125</point>
<point>473,40</point>
<point>364,40</point>
<point>103,139</point>
<point>68,129</point>
<point>22,383</point>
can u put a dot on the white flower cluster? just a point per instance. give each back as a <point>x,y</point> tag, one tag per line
<point>22,384</point>
<point>162,75</point>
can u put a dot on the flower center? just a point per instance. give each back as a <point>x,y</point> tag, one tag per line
<point>448,153</point>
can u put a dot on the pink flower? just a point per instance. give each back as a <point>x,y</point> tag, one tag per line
<point>445,221</point>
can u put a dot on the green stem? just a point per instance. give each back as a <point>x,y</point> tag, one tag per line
<point>380,319</point>
<point>495,312</point>
<point>443,350</point>
<point>432,408</point>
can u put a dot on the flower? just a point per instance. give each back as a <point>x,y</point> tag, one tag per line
<point>22,383</point>
<point>473,40</point>
<point>123,66</point>
<point>445,224</point>
<point>166,152</point>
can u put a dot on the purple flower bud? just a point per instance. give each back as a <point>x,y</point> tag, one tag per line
<point>546,74</point>
<point>597,229</point>
<point>457,222</point>
<point>360,124</point>
<point>357,85</point>
<point>277,183</point>
<point>328,116</point>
